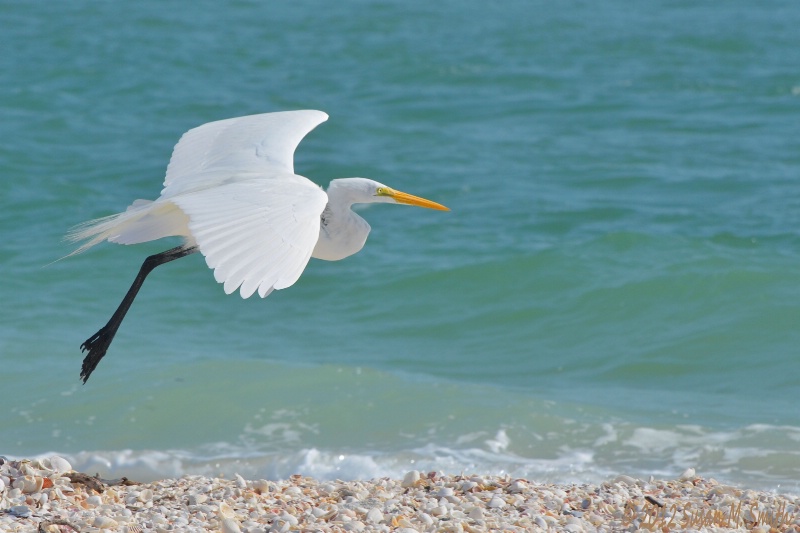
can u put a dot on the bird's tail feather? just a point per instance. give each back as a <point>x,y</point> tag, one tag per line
<point>112,228</point>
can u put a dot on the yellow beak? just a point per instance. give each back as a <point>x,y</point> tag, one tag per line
<point>410,199</point>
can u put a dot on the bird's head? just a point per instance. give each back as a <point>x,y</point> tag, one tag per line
<point>365,191</point>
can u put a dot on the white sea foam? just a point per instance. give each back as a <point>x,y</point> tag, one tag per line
<point>224,460</point>
<point>761,456</point>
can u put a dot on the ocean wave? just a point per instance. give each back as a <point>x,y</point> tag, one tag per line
<point>760,456</point>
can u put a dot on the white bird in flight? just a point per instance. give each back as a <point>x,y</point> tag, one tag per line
<point>232,194</point>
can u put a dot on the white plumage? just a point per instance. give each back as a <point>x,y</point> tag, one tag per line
<point>231,192</point>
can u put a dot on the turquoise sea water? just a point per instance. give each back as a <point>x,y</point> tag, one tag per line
<point>616,289</point>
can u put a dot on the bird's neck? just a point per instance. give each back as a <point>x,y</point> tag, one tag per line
<point>341,231</point>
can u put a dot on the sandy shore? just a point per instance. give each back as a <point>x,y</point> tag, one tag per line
<point>46,495</point>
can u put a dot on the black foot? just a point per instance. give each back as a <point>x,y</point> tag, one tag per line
<point>97,346</point>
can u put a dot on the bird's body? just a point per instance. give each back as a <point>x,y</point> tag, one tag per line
<point>231,193</point>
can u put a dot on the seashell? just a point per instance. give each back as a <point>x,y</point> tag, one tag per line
<point>443,492</point>
<point>410,479</point>
<point>517,487</point>
<point>261,485</point>
<point>625,480</point>
<point>467,486</point>
<point>476,513</point>
<point>94,501</point>
<point>226,511</point>
<point>439,511</point>
<point>374,516</point>
<point>289,519</point>
<point>21,511</point>
<point>687,475</point>
<point>145,496</point>
<point>229,525</point>
<point>197,499</point>
<point>426,519</point>
<point>355,525</point>
<point>104,522</point>
<point>496,503</point>
<point>2,485</point>
<point>401,521</point>
<point>294,491</point>
<point>720,490</point>
<point>28,484</point>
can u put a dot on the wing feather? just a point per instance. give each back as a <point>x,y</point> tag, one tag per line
<point>256,234</point>
<point>254,143</point>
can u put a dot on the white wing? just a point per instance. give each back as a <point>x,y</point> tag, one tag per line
<point>257,233</point>
<point>253,219</point>
<point>253,143</point>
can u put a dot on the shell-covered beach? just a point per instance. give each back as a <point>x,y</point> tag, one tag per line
<point>47,495</point>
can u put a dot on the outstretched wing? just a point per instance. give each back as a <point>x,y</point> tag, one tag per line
<point>241,145</point>
<point>257,234</point>
<point>253,219</point>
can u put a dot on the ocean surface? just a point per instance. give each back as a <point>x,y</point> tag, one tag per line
<point>616,289</point>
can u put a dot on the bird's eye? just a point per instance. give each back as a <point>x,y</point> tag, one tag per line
<point>380,191</point>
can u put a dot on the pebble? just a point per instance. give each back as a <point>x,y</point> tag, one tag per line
<point>420,502</point>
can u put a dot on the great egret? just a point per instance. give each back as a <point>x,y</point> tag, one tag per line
<point>232,194</point>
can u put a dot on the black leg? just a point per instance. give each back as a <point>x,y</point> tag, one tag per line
<point>98,344</point>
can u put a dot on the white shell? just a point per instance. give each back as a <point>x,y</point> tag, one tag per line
<point>261,485</point>
<point>517,487</point>
<point>496,503</point>
<point>28,484</point>
<point>229,525</point>
<point>225,511</point>
<point>104,522</point>
<point>59,464</point>
<point>411,479</point>
<point>197,499</point>
<point>375,516</point>
<point>625,480</point>
<point>476,513</point>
